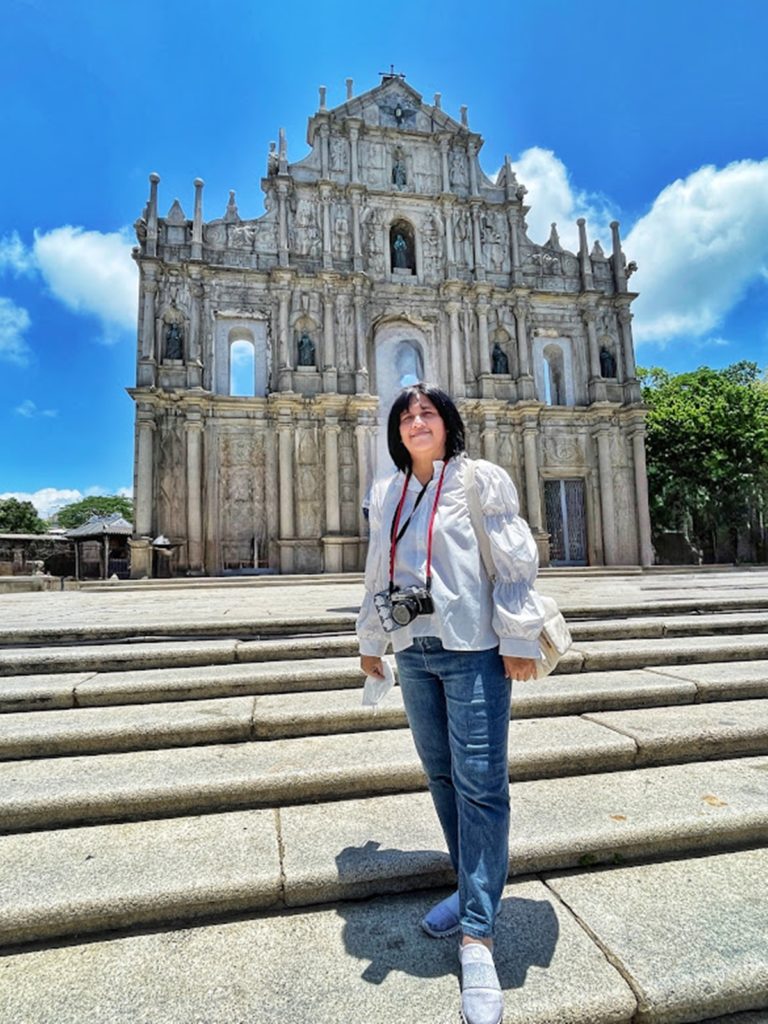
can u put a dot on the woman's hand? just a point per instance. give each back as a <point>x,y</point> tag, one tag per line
<point>519,668</point>
<point>372,665</point>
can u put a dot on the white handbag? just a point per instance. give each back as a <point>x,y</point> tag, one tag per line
<point>555,637</point>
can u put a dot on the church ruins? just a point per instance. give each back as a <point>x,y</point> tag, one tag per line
<point>270,349</point>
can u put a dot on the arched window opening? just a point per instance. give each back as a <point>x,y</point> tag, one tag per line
<point>554,376</point>
<point>409,366</point>
<point>242,369</point>
<point>402,248</point>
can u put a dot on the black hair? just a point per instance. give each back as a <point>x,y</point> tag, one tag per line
<point>446,408</point>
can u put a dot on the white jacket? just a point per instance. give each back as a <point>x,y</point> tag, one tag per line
<point>470,613</point>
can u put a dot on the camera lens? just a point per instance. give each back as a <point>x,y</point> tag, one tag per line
<point>401,613</point>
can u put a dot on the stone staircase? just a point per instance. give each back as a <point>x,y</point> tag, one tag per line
<point>200,823</point>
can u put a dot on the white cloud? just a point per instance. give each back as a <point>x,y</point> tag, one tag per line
<point>15,256</point>
<point>48,500</point>
<point>14,322</point>
<point>29,409</point>
<point>699,247</point>
<point>91,272</point>
<point>553,198</point>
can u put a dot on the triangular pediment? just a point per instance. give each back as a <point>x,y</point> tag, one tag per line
<point>394,103</point>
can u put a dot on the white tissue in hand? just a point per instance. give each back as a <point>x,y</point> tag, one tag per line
<point>375,689</point>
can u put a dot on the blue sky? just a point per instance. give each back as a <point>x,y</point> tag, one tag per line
<point>651,113</point>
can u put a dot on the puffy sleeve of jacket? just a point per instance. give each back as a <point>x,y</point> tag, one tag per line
<point>372,638</point>
<point>518,615</point>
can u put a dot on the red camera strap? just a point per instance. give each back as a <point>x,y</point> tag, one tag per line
<point>394,538</point>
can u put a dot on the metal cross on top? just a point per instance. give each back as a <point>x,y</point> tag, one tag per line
<point>387,75</point>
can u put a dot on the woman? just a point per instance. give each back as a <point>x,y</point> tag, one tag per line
<point>459,640</point>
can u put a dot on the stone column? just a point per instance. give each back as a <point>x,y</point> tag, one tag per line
<point>357,251</point>
<point>196,292</point>
<point>282,224</point>
<point>144,473</point>
<point>148,320</point>
<point>325,200</point>
<point>444,165</point>
<point>361,370</point>
<point>526,388</point>
<point>625,327</point>
<point>324,152</point>
<point>151,246</point>
<point>333,550</point>
<point>354,134</point>
<point>482,331</point>
<point>607,504</point>
<point>619,274</point>
<point>533,498</point>
<point>364,474</point>
<point>517,272</point>
<point>587,281</point>
<point>471,151</point>
<point>330,372</point>
<point>490,435</point>
<point>195,495</point>
<point>285,356</point>
<point>455,374</point>
<point>285,462</point>
<point>477,244</point>
<point>645,546</point>
<point>597,391</point>
<point>450,253</point>
<point>197,223</point>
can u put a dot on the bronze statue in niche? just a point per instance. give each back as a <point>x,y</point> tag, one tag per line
<point>402,247</point>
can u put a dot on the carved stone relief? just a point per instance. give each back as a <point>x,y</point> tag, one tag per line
<point>562,450</point>
<point>458,170</point>
<point>338,153</point>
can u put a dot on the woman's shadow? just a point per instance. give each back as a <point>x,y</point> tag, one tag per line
<point>384,931</point>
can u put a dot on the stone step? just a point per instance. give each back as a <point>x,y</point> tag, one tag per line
<point>584,656</point>
<point>53,791</point>
<point>198,682</point>
<point>560,694</point>
<point>167,654</point>
<point>638,622</point>
<point>586,947</point>
<point>106,877</point>
<point>280,715</point>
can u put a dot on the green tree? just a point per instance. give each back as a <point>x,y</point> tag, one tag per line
<point>100,505</point>
<point>707,451</point>
<point>19,517</point>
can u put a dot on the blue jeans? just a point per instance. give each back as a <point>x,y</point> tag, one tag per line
<point>457,704</point>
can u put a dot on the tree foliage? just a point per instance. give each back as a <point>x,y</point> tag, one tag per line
<point>707,449</point>
<point>100,505</point>
<point>19,517</point>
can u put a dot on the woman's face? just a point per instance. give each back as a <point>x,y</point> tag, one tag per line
<point>422,431</point>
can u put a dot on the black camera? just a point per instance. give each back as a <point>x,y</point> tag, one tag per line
<point>402,606</point>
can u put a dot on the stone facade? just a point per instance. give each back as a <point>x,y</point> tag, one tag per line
<point>384,256</point>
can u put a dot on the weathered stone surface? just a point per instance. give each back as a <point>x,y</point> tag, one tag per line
<point>97,730</point>
<point>592,691</point>
<point>354,962</point>
<point>703,730</point>
<point>113,876</point>
<point>23,661</point>
<point>723,682</point>
<point>203,681</point>
<point>41,692</point>
<point>382,844</point>
<point>690,933</point>
<point>300,647</point>
<point>615,654</point>
<point>189,780</point>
